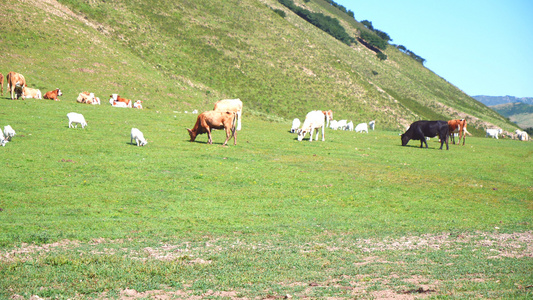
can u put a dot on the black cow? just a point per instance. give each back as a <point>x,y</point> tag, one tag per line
<point>419,130</point>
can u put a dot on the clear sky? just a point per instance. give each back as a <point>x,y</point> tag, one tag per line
<point>484,47</point>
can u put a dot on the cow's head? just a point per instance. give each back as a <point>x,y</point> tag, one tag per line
<point>192,134</point>
<point>405,139</point>
<point>59,92</point>
<point>301,134</point>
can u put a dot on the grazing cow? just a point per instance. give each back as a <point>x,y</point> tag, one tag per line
<point>338,124</point>
<point>116,100</point>
<point>522,135</point>
<point>493,133</point>
<point>233,105</point>
<point>15,81</point>
<point>349,126</point>
<point>333,124</point>
<point>295,125</point>
<point>215,120</point>
<point>138,136</point>
<point>2,84</point>
<point>361,127</point>
<point>9,133</point>
<point>52,95</point>
<point>458,126</point>
<point>76,118</point>
<point>329,116</point>
<point>31,93</point>
<point>138,104</point>
<point>313,121</point>
<point>372,124</point>
<point>419,130</point>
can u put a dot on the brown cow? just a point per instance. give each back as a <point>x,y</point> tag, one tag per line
<point>52,95</point>
<point>2,83</point>
<point>234,105</point>
<point>458,126</point>
<point>15,81</point>
<point>214,120</point>
<point>118,101</point>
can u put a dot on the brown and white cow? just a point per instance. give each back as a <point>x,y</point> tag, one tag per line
<point>214,120</point>
<point>118,101</point>
<point>52,95</point>
<point>329,116</point>
<point>458,126</point>
<point>31,93</point>
<point>2,83</point>
<point>15,83</point>
<point>234,105</point>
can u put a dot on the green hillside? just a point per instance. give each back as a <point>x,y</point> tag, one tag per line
<point>519,113</point>
<point>184,55</point>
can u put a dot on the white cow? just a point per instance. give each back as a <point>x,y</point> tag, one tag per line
<point>234,105</point>
<point>76,118</point>
<point>333,124</point>
<point>138,136</point>
<point>493,133</point>
<point>522,135</point>
<point>361,127</point>
<point>338,124</point>
<point>372,124</point>
<point>9,132</point>
<point>349,126</point>
<point>29,93</point>
<point>295,125</point>
<point>313,121</point>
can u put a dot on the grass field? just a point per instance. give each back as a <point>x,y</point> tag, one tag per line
<point>85,214</point>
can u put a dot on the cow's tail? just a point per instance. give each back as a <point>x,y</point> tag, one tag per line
<point>233,124</point>
<point>466,131</point>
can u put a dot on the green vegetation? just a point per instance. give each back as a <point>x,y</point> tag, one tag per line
<point>85,214</point>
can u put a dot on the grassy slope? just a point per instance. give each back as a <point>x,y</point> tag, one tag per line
<point>192,53</point>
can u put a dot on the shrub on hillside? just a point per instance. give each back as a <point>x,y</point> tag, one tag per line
<point>374,40</point>
<point>280,12</point>
<point>328,24</point>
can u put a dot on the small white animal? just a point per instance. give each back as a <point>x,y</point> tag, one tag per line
<point>9,132</point>
<point>349,126</point>
<point>76,118</point>
<point>361,127</point>
<point>138,104</point>
<point>295,125</point>
<point>3,141</point>
<point>493,133</point>
<point>138,136</point>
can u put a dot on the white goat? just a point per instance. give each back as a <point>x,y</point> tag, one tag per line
<point>349,126</point>
<point>295,125</point>
<point>493,133</point>
<point>138,136</point>
<point>9,132</point>
<point>74,119</point>
<point>313,121</point>
<point>372,124</point>
<point>361,127</point>
<point>522,135</point>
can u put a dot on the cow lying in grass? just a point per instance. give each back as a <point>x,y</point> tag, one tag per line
<point>215,120</point>
<point>419,130</point>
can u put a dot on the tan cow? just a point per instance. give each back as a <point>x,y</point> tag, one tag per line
<point>2,83</point>
<point>31,93</point>
<point>15,81</point>
<point>458,126</point>
<point>234,105</point>
<point>214,120</point>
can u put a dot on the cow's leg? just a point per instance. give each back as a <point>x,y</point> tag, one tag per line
<point>317,132</point>
<point>311,132</point>
<point>323,139</point>
<point>209,141</point>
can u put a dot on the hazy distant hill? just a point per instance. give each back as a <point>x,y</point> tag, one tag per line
<point>519,113</point>
<point>496,100</point>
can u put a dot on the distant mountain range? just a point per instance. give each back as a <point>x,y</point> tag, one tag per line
<point>495,100</point>
<point>518,110</point>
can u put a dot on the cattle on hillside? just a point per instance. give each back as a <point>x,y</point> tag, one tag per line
<point>313,121</point>
<point>458,126</point>
<point>76,118</point>
<point>232,105</point>
<point>521,135</point>
<point>419,130</point>
<point>118,101</point>
<point>361,127</point>
<point>138,136</point>
<point>29,93</point>
<point>89,98</point>
<point>15,83</point>
<point>209,120</point>
<point>52,95</point>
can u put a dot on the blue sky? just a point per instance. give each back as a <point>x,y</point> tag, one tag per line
<point>484,47</point>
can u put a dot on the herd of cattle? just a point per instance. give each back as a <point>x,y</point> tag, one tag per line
<point>227,114</point>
